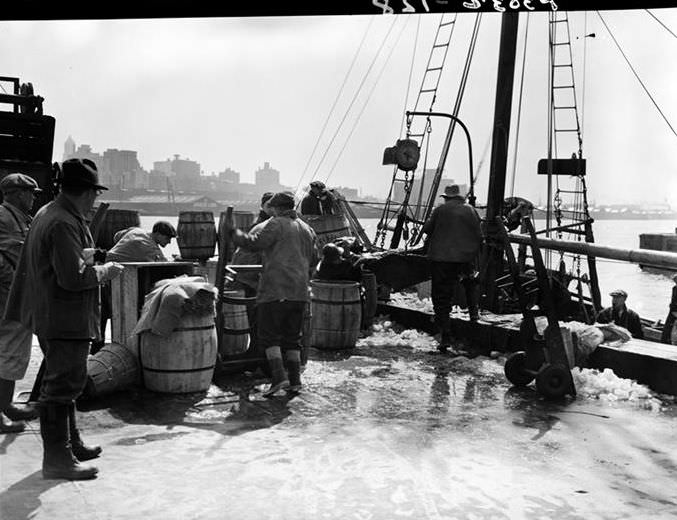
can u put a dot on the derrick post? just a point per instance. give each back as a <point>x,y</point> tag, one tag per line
<point>492,258</point>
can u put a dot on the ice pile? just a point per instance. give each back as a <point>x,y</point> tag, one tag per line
<point>384,333</point>
<point>608,386</point>
<point>412,301</point>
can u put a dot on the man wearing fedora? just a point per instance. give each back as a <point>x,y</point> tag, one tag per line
<point>453,242</point>
<point>18,191</point>
<point>55,293</point>
<point>619,314</point>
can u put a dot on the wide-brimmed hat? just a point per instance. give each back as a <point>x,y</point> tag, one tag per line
<point>451,191</point>
<point>618,292</point>
<point>18,181</point>
<point>80,173</point>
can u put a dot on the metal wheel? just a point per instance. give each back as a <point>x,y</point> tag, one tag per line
<point>515,369</point>
<point>553,381</point>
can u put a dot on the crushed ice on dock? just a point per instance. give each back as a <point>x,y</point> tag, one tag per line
<point>590,383</point>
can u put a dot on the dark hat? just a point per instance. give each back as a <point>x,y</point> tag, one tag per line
<point>266,197</point>
<point>332,252</point>
<point>283,199</point>
<point>80,173</point>
<point>18,181</point>
<point>451,191</point>
<point>318,184</point>
<point>618,292</point>
<point>164,228</point>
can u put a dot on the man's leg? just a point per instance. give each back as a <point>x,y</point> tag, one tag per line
<point>64,380</point>
<point>441,293</point>
<point>471,287</point>
<point>291,342</point>
<point>269,321</point>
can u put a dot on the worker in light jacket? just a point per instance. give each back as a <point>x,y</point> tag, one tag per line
<point>453,242</point>
<point>289,255</point>
<point>55,293</point>
<point>19,192</point>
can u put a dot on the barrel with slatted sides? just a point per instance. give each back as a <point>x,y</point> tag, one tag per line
<point>184,361</point>
<point>196,235</point>
<point>336,314</point>
<point>236,329</point>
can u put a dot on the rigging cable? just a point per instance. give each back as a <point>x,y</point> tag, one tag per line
<point>664,26</point>
<point>411,70</point>
<point>331,111</point>
<point>352,101</point>
<point>519,109</point>
<point>635,73</point>
<point>366,101</point>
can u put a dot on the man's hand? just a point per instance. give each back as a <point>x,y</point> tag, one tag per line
<point>108,271</point>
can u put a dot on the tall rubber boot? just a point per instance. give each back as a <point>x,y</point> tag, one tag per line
<point>58,461</point>
<point>279,374</point>
<point>444,326</point>
<point>472,299</point>
<point>13,412</point>
<point>81,451</point>
<point>294,369</point>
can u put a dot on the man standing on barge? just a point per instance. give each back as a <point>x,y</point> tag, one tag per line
<point>55,293</point>
<point>619,314</point>
<point>289,255</point>
<point>453,241</point>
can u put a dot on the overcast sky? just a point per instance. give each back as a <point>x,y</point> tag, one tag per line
<point>236,92</point>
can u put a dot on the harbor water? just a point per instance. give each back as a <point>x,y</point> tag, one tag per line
<point>648,292</point>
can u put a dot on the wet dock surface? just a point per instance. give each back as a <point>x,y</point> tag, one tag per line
<point>382,432</point>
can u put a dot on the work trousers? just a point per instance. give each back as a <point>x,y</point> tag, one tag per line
<point>444,276</point>
<point>279,324</point>
<point>65,370</point>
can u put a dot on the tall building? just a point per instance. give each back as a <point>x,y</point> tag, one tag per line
<point>68,148</point>
<point>184,174</point>
<point>123,169</point>
<point>229,176</point>
<point>398,191</point>
<point>267,178</point>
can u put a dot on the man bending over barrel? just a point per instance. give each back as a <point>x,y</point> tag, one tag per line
<point>289,255</point>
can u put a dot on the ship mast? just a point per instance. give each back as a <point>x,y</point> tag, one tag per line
<point>492,258</point>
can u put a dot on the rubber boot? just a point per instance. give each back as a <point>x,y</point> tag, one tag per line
<point>294,369</point>
<point>81,451</point>
<point>9,426</point>
<point>58,461</point>
<point>472,299</point>
<point>278,373</point>
<point>13,412</point>
<point>444,326</point>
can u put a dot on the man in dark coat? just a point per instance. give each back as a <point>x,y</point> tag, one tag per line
<point>19,193</point>
<point>318,201</point>
<point>335,266</point>
<point>619,314</point>
<point>453,241</point>
<point>55,293</point>
<point>289,249</point>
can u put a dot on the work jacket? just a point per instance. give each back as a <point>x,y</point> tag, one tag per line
<point>14,225</point>
<point>54,292</point>
<point>625,318</point>
<point>289,254</point>
<point>136,245</point>
<point>322,205</point>
<point>454,233</point>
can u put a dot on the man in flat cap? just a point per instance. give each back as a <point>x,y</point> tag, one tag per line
<point>289,250</point>
<point>453,240</point>
<point>55,292</point>
<point>18,192</point>
<point>619,314</point>
<point>318,201</point>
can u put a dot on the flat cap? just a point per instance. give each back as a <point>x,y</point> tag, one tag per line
<point>282,199</point>
<point>618,292</point>
<point>18,181</point>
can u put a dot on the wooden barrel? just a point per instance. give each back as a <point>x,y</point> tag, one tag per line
<point>112,368</point>
<point>336,314</point>
<point>184,361</point>
<point>235,333</point>
<point>114,221</point>
<point>196,235</point>
<point>370,299</point>
<point>328,227</point>
<point>241,219</point>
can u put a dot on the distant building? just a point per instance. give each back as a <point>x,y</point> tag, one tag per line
<point>398,191</point>
<point>122,168</point>
<point>68,148</point>
<point>348,193</point>
<point>184,172</point>
<point>267,178</point>
<point>229,176</point>
<point>84,151</point>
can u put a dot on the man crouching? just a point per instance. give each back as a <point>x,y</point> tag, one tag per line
<point>289,250</point>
